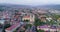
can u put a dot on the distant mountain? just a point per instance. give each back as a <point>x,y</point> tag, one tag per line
<point>28,6</point>
<point>49,6</point>
<point>14,5</point>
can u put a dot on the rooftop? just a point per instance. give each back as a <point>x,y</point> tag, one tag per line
<point>12,27</point>
<point>26,17</point>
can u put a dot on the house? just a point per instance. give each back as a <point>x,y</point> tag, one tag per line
<point>58,29</point>
<point>12,22</point>
<point>42,11</point>
<point>26,18</point>
<point>53,29</point>
<point>58,19</point>
<point>43,18</point>
<point>31,18</point>
<point>47,28</point>
<point>49,18</point>
<point>12,28</point>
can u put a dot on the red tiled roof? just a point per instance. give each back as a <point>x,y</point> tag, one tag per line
<point>26,17</point>
<point>12,27</point>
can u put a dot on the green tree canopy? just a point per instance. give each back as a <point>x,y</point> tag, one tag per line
<point>38,22</point>
<point>40,30</point>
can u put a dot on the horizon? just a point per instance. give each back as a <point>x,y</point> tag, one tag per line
<point>31,2</point>
<point>27,5</point>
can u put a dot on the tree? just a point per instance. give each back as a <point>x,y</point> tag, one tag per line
<point>40,30</point>
<point>38,22</point>
<point>1,9</point>
<point>52,22</point>
<point>26,20</point>
<point>5,26</point>
<point>28,25</point>
<point>16,11</point>
<point>15,31</point>
<point>55,16</point>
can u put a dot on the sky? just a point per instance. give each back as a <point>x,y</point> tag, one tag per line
<point>31,2</point>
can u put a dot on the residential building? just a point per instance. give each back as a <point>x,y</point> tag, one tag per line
<point>31,18</point>
<point>47,28</point>
<point>49,18</point>
<point>43,18</point>
<point>12,28</point>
